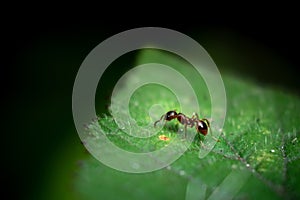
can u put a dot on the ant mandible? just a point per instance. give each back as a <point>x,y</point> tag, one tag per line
<point>201,125</point>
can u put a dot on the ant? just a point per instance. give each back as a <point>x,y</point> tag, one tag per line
<point>201,125</point>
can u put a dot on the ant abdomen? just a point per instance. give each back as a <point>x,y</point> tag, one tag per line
<point>202,127</point>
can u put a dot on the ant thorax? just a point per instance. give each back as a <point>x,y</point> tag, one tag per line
<point>185,120</point>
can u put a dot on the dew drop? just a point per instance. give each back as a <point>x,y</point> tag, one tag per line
<point>247,165</point>
<point>135,165</point>
<point>272,151</point>
<point>181,172</point>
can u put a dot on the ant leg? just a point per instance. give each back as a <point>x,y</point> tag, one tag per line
<point>213,137</point>
<point>195,116</point>
<point>203,145</point>
<point>216,139</point>
<point>161,118</point>
<point>185,130</point>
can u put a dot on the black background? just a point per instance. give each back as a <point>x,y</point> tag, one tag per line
<point>42,55</point>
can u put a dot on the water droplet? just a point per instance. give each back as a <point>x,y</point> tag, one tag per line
<point>135,165</point>
<point>181,172</point>
<point>168,167</point>
<point>247,165</point>
<point>272,151</point>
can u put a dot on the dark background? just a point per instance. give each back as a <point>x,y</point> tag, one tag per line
<point>42,57</point>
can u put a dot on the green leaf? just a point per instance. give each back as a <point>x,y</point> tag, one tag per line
<point>257,155</point>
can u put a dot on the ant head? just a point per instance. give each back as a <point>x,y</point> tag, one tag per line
<point>171,115</point>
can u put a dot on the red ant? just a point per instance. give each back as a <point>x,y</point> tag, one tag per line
<point>201,125</point>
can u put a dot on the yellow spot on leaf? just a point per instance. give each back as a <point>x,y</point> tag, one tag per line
<point>164,138</point>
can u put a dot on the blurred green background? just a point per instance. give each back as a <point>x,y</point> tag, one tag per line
<point>41,143</point>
